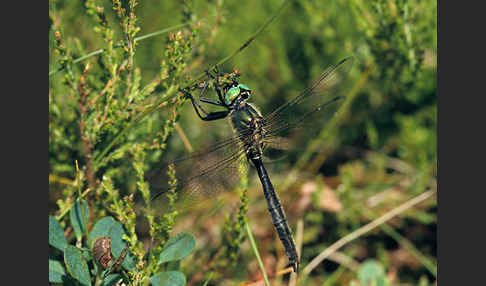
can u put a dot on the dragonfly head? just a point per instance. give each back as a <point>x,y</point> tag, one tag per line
<point>237,93</point>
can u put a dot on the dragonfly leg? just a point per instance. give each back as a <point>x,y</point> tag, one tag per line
<point>215,115</point>
<point>196,105</point>
<point>204,90</point>
<point>216,85</point>
<point>208,116</point>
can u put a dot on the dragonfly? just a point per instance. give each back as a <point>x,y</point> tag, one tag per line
<point>206,173</point>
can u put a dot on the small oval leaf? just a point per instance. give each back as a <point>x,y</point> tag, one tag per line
<point>77,221</point>
<point>177,247</point>
<point>56,234</point>
<point>100,229</point>
<point>118,244</point>
<point>169,278</point>
<point>76,265</point>
<point>57,274</point>
<point>111,279</point>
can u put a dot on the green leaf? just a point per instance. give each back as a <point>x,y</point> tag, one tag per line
<point>77,221</point>
<point>76,265</point>
<point>57,274</point>
<point>56,234</point>
<point>177,248</point>
<point>118,244</point>
<point>372,272</point>
<point>169,278</point>
<point>100,229</point>
<point>111,279</point>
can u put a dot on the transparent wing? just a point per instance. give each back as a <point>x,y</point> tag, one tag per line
<point>201,175</point>
<point>307,113</point>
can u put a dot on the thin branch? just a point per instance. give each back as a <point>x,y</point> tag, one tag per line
<point>184,138</point>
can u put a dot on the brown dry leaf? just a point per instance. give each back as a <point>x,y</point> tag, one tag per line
<point>305,196</point>
<point>329,201</point>
<point>402,257</point>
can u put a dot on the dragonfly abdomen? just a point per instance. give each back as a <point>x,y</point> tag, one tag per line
<point>277,214</point>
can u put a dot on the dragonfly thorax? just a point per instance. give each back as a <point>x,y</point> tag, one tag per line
<point>248,123</point>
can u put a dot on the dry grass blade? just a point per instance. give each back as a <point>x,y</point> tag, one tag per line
<point>357,233</point>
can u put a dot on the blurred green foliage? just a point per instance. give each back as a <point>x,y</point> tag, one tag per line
<point>114,116</point>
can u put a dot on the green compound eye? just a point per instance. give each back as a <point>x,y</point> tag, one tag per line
<point>232,94</point>
<point>244,86</point>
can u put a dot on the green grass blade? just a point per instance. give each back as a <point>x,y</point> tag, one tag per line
<point>160,32</point>
<point>257,254</point>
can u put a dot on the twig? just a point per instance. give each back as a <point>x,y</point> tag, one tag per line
<point>183,136</point>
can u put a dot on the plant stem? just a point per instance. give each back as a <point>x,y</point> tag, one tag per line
<point>257,254</point>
